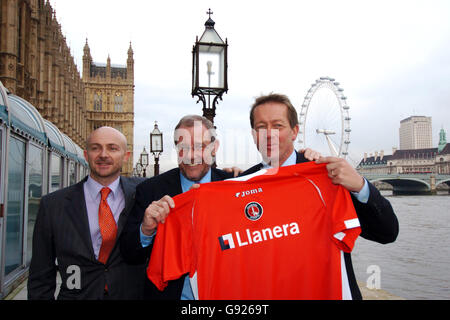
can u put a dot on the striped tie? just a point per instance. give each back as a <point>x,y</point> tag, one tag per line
<point>108,227</point>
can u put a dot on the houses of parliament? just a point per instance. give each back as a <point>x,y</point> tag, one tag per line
<point>36,64</point>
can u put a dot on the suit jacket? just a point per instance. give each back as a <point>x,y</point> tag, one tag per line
<point>377,219</point>
<point>62,233</point>
<point>153,189</point>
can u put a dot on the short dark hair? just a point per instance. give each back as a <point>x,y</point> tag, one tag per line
<point>275,97</point>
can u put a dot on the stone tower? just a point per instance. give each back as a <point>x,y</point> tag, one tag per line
<point>109,97</point>
<point>442,140</point>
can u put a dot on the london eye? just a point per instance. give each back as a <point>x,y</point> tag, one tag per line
<point>324,119</point>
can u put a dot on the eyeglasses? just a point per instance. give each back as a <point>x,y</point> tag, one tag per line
<point>188,147</point>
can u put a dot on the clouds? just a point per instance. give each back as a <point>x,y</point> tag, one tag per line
<point>391,57</point>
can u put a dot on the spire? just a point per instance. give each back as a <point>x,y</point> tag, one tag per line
<point>442,140</point>
<point>86,49</point>
<point>130,64</point>
<point>87,60</point>
<point>108,67</point>
<point>130,51</point>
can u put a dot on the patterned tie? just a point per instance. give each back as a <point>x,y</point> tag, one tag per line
<point>108,227</point>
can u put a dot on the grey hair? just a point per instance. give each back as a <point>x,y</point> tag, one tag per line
<point>190,120</point>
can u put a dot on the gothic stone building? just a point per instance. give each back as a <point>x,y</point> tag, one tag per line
<point>109,97</point>
<point>36,64</point>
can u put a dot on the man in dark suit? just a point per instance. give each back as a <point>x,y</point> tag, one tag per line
<point>196,145</point>
<point>77,228</point>
<point>275,127</point>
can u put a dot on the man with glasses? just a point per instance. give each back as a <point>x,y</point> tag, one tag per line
<point>196,145</point>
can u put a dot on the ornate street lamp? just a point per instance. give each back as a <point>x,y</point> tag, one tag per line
<point>156,146</point>
<point>143,160</point>
<point>138,168</point>
<point>209,68</point>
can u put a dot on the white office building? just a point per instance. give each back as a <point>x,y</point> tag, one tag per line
<point>416,133</point>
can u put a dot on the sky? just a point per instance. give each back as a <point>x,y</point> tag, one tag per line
<point>392,58</point>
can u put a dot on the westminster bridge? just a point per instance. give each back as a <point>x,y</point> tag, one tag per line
<point>411,183</point>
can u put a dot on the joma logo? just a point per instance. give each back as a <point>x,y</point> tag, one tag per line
<point>248,192</point>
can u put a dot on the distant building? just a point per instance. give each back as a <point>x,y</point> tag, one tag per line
<point>416,133</point>
<point>109,97</point>
<point>443,160</point>
<point>36,64</point>
<point>427,160</point>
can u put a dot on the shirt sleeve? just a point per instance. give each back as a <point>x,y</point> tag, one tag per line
<point>363,195</point>
<point>346,226</point>
<point>172,249</point>
<point>145,240</point>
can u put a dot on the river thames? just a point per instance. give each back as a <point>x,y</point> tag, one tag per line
<point>417,264</point>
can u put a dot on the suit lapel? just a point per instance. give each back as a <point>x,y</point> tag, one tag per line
<point>300,158</point>
<point>128,191</point>
<point>257,167</point>
<point>75,207</point>
<point>174,182</point>
<point>214,175</point>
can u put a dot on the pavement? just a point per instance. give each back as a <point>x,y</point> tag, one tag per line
<point>20,293</point>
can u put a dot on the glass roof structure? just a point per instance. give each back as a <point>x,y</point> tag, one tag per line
<point>24,119</point>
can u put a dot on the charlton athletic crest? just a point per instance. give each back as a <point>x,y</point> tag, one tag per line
<point>253,211</point>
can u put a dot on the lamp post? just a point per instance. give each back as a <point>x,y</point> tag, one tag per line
<point>209,68</point>
<point>138,169</point>
<point>143,160</point>
<point>156,146</point>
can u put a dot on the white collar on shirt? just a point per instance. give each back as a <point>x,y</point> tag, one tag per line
<point>291,160</point>
<point>93,187</point>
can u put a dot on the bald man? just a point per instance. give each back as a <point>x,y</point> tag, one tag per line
<point>77,229</point>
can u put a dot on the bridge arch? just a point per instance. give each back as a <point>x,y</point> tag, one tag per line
<point>446,181</point>
<point>406,185</point>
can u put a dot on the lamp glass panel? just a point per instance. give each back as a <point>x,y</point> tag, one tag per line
<point>211,66</point>
<point>210,35</point>
<point>156,143</point>
<point>144,159</point>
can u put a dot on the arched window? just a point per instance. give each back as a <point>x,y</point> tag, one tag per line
<point>118,102</point>
<point>98,101</point>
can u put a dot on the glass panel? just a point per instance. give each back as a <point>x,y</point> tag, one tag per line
<point>210,35</point>
<point>72,173</point>
<point>1,193</point>
<point>24,112</point>
<point>2,101</point>
<point>211,71</point>
<point>55,173</point>
<point>118,102</point>
<point>15,205</point>
<point>84,172</point>
<point>34,192</point>
<point>1,158</point>
<point>98,101</point>
<point>81,171</point>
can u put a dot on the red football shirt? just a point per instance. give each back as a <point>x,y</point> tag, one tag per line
<point>276,234</point>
